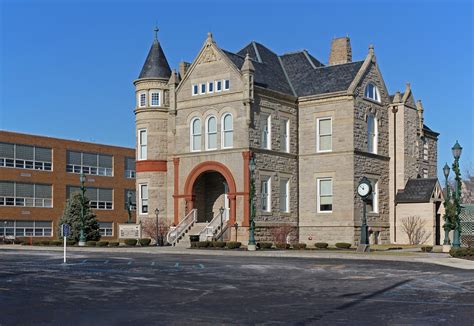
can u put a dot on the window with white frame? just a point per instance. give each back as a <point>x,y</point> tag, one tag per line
<point>130,169</point>
<point>266,129</point>
<point>211,133</point>
<point>372,92</point>
<point>25,194</point>
<point>324,135</point>
<point>284,195</point>
<point>15,228</point>
<point>210,87</point>
<point>372,134</point>
<point>142,144</point>
<point>285,135</point>
<point>195,89</point>
<point>25,157</point>
<point>195,134</point>
<point>373,199</point>
<point>203,88</point>
<point>425,173</point>
<point>425,150</point>
<point>89,163</point>
<point>226,84</point>
<point>99,198</point>
<point>106,229</point>
<point>218,85</point>
<point>227,131</point>
<point>142,99</point>
<point>143,192</point>
<point>324,195</point>
<point>155,98</point>
<point>265,194</point>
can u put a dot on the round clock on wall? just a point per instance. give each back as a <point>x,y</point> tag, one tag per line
<point>365,188</point>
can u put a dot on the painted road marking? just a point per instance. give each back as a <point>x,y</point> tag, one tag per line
<point>129,262</point>
<point>84,261</point>
<point>153,264</point>
<point>176,265</point>
<point>201,265</point>
<point>106,262</point>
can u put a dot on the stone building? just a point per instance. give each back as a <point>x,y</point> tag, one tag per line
<point>314,131</point>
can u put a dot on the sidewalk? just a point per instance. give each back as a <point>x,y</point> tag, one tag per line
<point>415,257</point>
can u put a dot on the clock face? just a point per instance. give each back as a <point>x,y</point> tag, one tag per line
<point>363,189</point>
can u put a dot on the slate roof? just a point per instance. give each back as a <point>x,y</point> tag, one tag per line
<point>156,65</point>
<point>417,191</point>
<point>297,73</point>
<point>428,129</point>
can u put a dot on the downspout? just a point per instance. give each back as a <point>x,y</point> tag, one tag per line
<point>395,110</point>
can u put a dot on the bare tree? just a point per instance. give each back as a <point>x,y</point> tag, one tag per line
<point>414,228</point>
<point>154,231</point>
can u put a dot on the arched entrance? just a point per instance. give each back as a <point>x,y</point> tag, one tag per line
<point>209,186</point>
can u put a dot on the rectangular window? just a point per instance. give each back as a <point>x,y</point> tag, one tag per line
<point>203,88</point>
<point>210,87</point>
<point>25,157</point>
<point>265,193</point>
<point>155,98</point>
<point>425,173</point>
<point>142,144</point>
<point>324,195</point>
<point>195,89</point>
<point>130,171</point>
<point>284,195</point>
<point>106,229</point>
<point>143,199</point>
<point>265,127</point>
<point>99,198</point>
<point>12,228</point>
<point>324,135</point>
<point>285,135</point>
<point>425,150</point>
<point>89,163</point>
<point>373,200</point>
<point>226,85</point>
<point>372,134</point>
<point>218,85</point>
<point>25,194</point>
<point>142,102</point>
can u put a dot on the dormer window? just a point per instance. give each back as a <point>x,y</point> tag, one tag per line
<point>142,100</point>
<point>195,89</point>
<point>372,92</point>
<point>210,87</point>
<point>226,85</point>
<point>218,85</point>
<point>155,98</point>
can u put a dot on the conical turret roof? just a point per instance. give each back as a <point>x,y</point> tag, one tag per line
<point>156,65</point>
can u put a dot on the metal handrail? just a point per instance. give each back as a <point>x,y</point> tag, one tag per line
<point>176,232</point>
<point>219,234</point>
<point>210,228</point>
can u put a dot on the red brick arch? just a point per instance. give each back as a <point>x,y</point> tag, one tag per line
<point>216,167</point>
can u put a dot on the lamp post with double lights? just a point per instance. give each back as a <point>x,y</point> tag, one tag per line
<point>252,245</point>
<point>82,237</point>
<point>457,150</point>
<point>447,223</point>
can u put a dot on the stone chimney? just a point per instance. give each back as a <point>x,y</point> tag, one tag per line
<point>183,68</point>
<point>341,51</point>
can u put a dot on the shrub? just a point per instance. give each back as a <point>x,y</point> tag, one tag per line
<point>321,245</point>
<point>36,243</point>
<point>114,244</point>
<point>44,243</point>
<point>343,245</point>
<point>194,244</point>
<point>426,248</point>
<point>299,246</point>
<point>91,243</point>
<point>56,243</point>
<point>17,241</point>
<point>218,244</point>
<point>203,244</point>
<point>233,244</point>
<point>70,242</point>
<point>102,243</point>
<point>282,245</point>
<point>144,242</point>
<point>265,245</point>
<point>461,252</point>
<point>130,242</point>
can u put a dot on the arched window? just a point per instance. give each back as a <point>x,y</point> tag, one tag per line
<point>372,134</point>
<point>211,133</point>
<point>195,129</point>
<point>227,131</point>
<point>372,92</point>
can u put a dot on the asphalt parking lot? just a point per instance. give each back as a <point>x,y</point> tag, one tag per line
<point>131,288</point>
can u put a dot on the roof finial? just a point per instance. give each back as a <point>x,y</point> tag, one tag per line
<point>156,30</point>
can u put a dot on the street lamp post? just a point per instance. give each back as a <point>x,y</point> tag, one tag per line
<point>252,245</point>
<point>157,213</point>
<point>447,224</point>
<point>221,211</point>
<point>457,150</point>
<point>129,206</point>
<point>82,238</point>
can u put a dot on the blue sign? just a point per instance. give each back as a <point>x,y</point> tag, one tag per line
<point>65,230</point>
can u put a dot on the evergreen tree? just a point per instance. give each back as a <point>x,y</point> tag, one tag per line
<point>72,216</point>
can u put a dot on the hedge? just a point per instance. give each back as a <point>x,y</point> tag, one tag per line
<point>343,245</point>
<point>203,244</point>
<point>102,243</point>
<point>461,252</point>
<point>427,248</point>
<point>218,244</point>
<point>282,245</point>
<point>91,243</point>
<point>233,244</point>
<point>56,243</point>
<point>299,246</point>
<point>321,245</point>
<point>144,242</point>
<point>130,242</point>
<point>114,244</point>
<point>44,242</point>
<point>265,245</point>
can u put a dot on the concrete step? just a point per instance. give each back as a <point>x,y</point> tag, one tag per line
<point>184,242</point>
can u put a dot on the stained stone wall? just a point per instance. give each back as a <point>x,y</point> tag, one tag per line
<point>412,145</point>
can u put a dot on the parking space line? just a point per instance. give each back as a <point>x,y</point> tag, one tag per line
<point>129,262</point>
<point>153,263</point>
<point>176,265</point>
<point>106,262</point>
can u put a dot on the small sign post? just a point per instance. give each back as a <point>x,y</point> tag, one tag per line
<point>65,232</point>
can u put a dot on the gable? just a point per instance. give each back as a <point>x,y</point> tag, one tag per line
<point>372,74</point>
<point>420,191</point>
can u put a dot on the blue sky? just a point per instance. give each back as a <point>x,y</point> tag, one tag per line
<point>67,67</point>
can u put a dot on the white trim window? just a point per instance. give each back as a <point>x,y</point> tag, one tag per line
<point>373,200</point>
<point>227,131</point>
<point>284,195</point>
<point>195,131</point>
<point>226,84</point>
<point>143,193</point>
<point>372,134</point>
<point>203,88</point>
<point>372,92</point>
<point>210,87</point>
<point>142,99</point>
<point>324,195</point>
<point>425,150</point>
<point>265,194</point>
<point>218,86</point>
<point>195,89</point>
<point>211,133</point>
<point>106,229</point>
<point>142,144</point>
<point>155,98</point>
<point>266,131</point>
<point>324,135</point>
<point>285,135</point>
<point>425,173</point>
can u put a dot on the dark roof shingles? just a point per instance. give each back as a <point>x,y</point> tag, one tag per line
<point>156,65</point>
<point>416,191</point>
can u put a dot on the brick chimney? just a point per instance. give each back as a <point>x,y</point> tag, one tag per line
<point>341,51</point>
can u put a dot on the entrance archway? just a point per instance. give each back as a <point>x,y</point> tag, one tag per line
<point>211,178</point>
